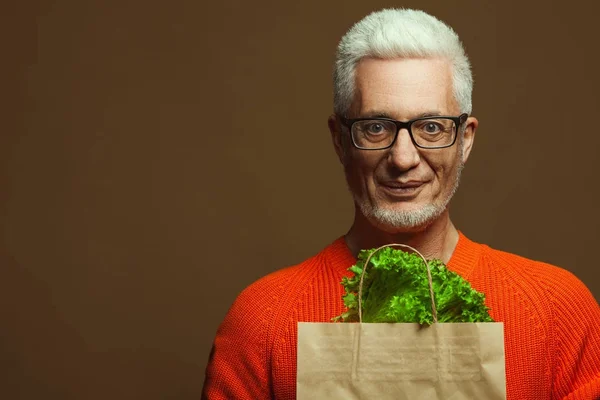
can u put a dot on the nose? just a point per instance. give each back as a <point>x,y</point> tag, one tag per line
<point>404,154</point>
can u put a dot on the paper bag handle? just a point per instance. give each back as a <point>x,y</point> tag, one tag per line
<point>362,276</point>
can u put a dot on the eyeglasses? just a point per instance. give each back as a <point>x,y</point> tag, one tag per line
<point>426,133</point>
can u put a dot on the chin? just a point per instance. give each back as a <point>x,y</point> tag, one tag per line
<point>397,221</point>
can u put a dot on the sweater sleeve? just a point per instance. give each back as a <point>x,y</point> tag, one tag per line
<point>237,367</point>
<point>577,335</point>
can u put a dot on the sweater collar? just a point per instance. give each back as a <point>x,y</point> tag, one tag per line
<point>463,260</point>
<point>465,256</point>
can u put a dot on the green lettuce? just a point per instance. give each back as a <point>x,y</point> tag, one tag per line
<point>396,289</point>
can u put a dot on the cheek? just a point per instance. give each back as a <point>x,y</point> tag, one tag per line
<point>443,160</point>
<point>443,168</point>
<point>360,169</point>
<point>445,171</point>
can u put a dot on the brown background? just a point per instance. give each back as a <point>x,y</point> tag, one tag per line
<point>158,157</point>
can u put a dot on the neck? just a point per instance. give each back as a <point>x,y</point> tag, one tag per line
<point>435,241</point>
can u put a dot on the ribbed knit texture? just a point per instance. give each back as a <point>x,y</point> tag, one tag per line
<point>551,325</point>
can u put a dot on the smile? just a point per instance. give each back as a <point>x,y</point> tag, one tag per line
<point>404,190</point>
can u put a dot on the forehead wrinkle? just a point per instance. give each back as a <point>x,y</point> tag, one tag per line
<point>397,106</point>
<point>404,93</point>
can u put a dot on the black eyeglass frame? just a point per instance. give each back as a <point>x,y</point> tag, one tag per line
<point>458,121</point>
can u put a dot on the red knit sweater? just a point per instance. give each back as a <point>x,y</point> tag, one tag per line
<point>551,325</point>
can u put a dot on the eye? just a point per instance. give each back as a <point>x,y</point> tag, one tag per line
<point>432,127</point>
<point>375,128</point>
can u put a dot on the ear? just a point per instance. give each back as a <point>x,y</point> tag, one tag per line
<point>335,128</point>
<point>471,125</point>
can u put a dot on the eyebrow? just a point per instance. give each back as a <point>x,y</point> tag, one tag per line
<point>380,114</point>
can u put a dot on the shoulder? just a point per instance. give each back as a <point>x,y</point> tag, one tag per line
<point>544,273</point>
<point>285,280</point>
<point>262,300</point>
<point>558,286</point>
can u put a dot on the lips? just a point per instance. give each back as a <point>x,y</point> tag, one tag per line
<point>403,185</point>
<point>402,190</point>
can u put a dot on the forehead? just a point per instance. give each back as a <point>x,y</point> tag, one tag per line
<point>404,88</point>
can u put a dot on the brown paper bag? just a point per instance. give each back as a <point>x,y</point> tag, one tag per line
<point>380,361</point>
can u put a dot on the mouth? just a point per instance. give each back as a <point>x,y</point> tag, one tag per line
<point>405,189</point>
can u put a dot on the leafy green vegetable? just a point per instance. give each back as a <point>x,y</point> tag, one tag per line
<point>396,289</point>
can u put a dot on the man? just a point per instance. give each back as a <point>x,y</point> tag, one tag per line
<point>402,130</point>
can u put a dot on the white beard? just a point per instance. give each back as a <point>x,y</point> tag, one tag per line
<point>394,219</point>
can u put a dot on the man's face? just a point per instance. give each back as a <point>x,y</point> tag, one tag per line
<point>403,188</point>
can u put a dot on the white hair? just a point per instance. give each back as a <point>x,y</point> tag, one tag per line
<point>400,33</point>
